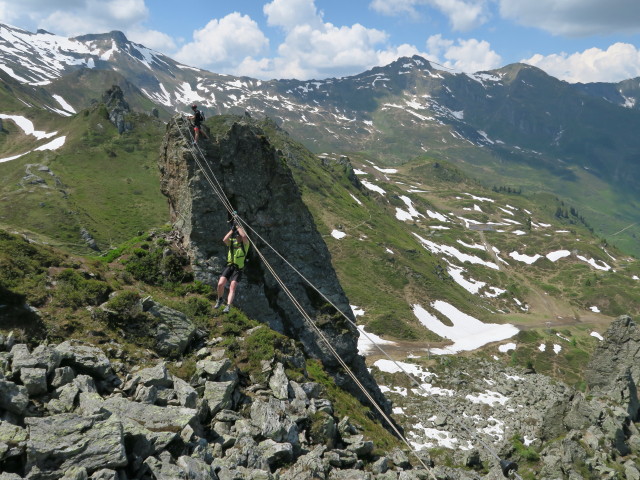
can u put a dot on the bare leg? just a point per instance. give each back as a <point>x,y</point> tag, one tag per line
<point>221,284</point>
<point>232,292</point>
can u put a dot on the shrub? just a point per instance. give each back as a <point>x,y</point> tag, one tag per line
<point>74,291</point>
<point>125,304</point>
<point>155,267</point>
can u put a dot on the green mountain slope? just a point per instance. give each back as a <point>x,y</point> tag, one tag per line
<point>99,184</point>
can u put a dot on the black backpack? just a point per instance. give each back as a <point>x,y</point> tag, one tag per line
<point>199,116</point>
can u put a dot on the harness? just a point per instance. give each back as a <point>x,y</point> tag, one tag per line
<point>237,253</point>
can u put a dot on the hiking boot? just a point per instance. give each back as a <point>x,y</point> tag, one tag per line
<point>226,309</point>
<point>218,303</point>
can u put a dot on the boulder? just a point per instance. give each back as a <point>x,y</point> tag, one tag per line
<point>13,440</point>
<point>174,333</point>
<point>13,398</point>
<point>271,419</point>
<point>212,369</point>
<point>85,358</point>
<point>149,428</point>
<point>62,376</point>
<point>196,469</point>
<point>59,442</point>
<point>279,383</point>
<point>64,399</point>
<point>217,395</point>
<point>275,453</point>
<point>105,474</point>
<point>76,473</point>
<point>157,376</point>
<point>34,380</point>
<point>187,395</point>
<point>163,470</point>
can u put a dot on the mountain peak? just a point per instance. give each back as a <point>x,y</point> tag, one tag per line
<point>115,35</point>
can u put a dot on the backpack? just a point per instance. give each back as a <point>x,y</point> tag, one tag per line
<point>199,116</point>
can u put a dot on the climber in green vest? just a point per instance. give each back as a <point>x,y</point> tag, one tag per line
<point>238,246</point>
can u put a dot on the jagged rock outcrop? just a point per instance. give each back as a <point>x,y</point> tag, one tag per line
<point>150,424</point>
<point>255,178</point>
<point>614,369</point>
<point>118,108</point>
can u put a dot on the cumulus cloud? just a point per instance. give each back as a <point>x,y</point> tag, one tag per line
<point>313,48</point>
<point>619,61</point>
<point>575,17</point>
<point>463,15</point>
<point>153,39</point>
<point>78,17</point>
<point>290,13</point>
<point>75,17</point>
<point>222,42</point>
<point>464,55</point>
<point>309,52</point>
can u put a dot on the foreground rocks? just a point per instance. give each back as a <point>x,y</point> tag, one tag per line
<point>544,425</point>
<point>66,414</point>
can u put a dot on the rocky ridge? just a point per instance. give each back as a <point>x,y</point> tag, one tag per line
<point>258,183</point>
<point>546,426</point>
<point>67,411</point>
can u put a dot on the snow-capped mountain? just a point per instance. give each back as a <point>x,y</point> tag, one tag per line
<point>518,125</point>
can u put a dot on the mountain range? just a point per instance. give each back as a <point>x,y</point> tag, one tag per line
<point>482,228</point>
<point>515,126</point>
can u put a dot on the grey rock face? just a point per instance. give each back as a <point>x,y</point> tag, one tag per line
<point>34,380</point>
<point>13,398</point>
<point>614,369</point>
<point>254,175</point>
<point>118,108</point>
<point>176,331</point>
<point>59,442</point>
<point>217,395</point>
<point>86,359</point>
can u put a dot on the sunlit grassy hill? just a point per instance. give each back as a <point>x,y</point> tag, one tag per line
<point>425,235</point>
<point>98,184</point>
<point>415,246</point>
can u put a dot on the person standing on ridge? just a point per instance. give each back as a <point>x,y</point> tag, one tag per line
<point>197,118</point>
<point>238,246</point>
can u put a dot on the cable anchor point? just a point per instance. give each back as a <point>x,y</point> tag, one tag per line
<point>508,468</point>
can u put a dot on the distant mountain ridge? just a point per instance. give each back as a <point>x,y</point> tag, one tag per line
<point>512,126</point>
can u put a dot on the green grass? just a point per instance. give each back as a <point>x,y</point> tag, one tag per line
<point>101,181</point>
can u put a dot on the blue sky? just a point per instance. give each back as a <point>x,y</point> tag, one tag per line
<point>574,40</point>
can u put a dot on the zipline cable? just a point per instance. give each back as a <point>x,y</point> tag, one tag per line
<point>508,468</point>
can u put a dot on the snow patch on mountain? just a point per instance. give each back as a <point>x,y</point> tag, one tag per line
<point>466,332</point>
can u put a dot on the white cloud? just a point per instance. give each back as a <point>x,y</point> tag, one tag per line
<point>575,17</point>
<point>221,42</point>
<point>620,60</point>
<point>290,13</point>
<point>78,17</point>
<point>89,16</point>
<point>153,39</point>
<point>465,55</point>
<point>463,15</point>
<point>317,49</point>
